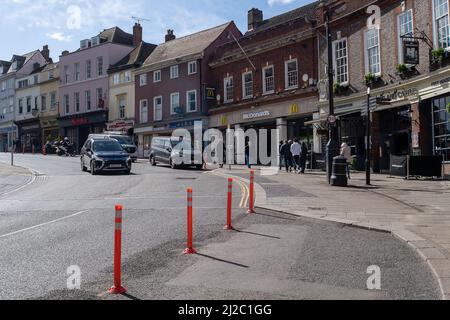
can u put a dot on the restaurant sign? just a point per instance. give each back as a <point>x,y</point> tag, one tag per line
<point>399,95</point>
<point>256,115</point>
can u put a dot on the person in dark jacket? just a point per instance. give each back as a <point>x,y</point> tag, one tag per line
<point>287,155</point>
<point>303,157</point>
<point>281,152</point>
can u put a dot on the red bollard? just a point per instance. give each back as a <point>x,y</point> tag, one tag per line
<point>32,149</point>
<point>251,207</point>
<point>229,205</point>
<point>117,288</point>
<point>190,248</point>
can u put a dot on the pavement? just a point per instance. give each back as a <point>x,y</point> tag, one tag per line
<point>415,211</point>
<point>65,217</point>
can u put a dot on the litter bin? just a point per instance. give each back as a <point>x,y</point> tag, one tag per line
<point>339,177</point>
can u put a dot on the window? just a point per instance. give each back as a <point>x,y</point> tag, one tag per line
<point>100,98</point>
<point>128,76</point>
<point>66,74</point>
<point>405,28</point>
<point>441,123</point>
<point>51,75</point>
<point>228,89</point>
<point>116,78</point>
<point>143,79</point>
<point>373,62</point>
<point>87,97</point>
<point>157,76</point>
<point>174,72</point>
<point>192,67</point>
<point>157,103</point>
<point>20,106</point>
<point>268,80</point>
<point>53,101</point>
<point>28,104</point>
<point>43,103</point>
<point>77,71</point>
<point>191,98</point>
<point>291,74</point>
<point>66,103</point>
<point>143,105</point>
<point>175,103</point>
<point>77,101</point>
<point>441,23</point>
<point>122,108</point>
<point>88,69</point>
<point>100,66</point>
<point>36,103</point>
<point>247,85</point>
<point>3,85</point>
<point>36,79</point>
<point>340,59</point>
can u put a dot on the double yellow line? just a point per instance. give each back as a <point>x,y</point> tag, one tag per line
<point>245,191</point>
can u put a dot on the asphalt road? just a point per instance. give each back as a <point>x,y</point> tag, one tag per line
<point>66,217</point>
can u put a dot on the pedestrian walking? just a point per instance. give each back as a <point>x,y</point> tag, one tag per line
<point>303,157</point>
<point>346,152</point>
<point>284,155</point>
<point>296,151</point>
<point>247,155</point>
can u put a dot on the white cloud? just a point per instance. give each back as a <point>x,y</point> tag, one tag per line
<point>59,36</point>
<point>274,2</point>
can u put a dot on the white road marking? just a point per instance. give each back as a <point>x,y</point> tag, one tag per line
<point>43,224</point>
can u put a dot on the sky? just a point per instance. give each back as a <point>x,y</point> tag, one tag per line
<point>26,25</point>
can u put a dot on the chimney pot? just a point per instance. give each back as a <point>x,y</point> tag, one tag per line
<point>255,17</point>
<point>170,36</point>
<point>46,52</point>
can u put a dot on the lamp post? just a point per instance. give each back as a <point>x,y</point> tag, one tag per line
<point>368,146</point>
<point>332,149</point>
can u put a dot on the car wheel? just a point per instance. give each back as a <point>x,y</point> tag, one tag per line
<point>83,168</point>
<point>93,172</point>
<point>152,161</point>
<point>128,172</point>
<point>199,167</point>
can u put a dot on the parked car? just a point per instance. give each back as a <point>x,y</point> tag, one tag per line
<point>98,155</point>
<point>170,150</point>
<point>124,140</point>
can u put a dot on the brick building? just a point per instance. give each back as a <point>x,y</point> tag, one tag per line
<point>267,78</point>
<point>415,121</point>
<point>171,84</point>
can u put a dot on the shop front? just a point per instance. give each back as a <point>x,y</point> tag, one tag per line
<point>124,126</point>
<point>78,127</point>
<point>50,130</point>
<point>30,135</point>
<point>8,133</point>
<point>288,117</point>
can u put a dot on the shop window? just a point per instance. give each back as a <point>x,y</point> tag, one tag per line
<point>441,124</point>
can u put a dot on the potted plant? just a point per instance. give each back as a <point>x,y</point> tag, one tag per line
<point>438,55</point>
<point>402,68</point>
<point>448,108</point>
<point>337,88</point>
<point>369,78</point>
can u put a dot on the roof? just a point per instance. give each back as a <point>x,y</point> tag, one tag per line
<point>189,45</point>
<point>302,12</point>
<point>117,35</point>
<point>135,58</point>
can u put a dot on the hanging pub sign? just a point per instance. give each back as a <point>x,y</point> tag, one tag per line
<point>411,52</point>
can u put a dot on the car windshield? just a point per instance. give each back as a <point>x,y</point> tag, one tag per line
<point>107,146</point>
<point>123,140</point>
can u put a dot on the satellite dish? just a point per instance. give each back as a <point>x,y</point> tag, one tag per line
<point>305,77</point>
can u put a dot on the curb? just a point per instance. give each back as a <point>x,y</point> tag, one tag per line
<point>33,173</point>
<point>431,255</point>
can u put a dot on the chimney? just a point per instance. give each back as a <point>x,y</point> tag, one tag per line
<point>65,53</point>
<point>46,53</point>
<point>137,34</point>
<point>255,17</point>
<point>170,36</point>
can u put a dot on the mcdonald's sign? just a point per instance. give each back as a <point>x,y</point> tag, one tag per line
<point>210,93</point>
<point>224,120</point>
<point>294,108</point>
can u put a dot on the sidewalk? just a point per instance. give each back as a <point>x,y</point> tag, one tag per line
<point>417,212</point>
<point>13,178</point>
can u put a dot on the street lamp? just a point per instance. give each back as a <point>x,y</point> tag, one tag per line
<point>332,149</point>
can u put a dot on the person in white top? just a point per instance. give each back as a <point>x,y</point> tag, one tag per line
<point>346,152</point>
<point>296,150</point>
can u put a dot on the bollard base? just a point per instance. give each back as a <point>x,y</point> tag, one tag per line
<point>190,251</point>
<point>250,211</point>
<point>117,290</point>
<point>229,228</point>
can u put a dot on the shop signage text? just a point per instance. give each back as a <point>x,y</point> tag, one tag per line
<point>30,127</point>
<point>398,95</point>
<point>440,82</point>
<point>210,93</point>
<point>255,115</point>
<point>80,121</point>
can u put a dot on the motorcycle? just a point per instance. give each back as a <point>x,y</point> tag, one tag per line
<point>65,149</point>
